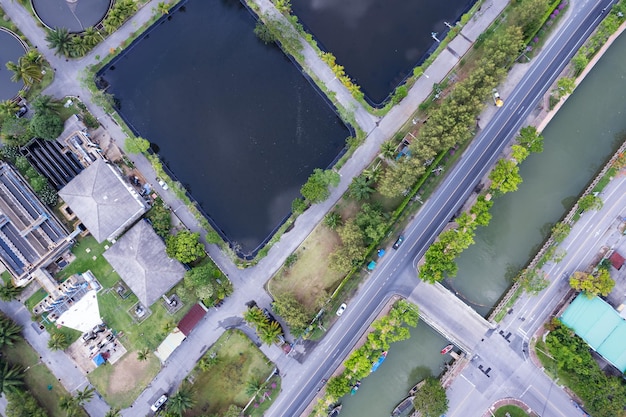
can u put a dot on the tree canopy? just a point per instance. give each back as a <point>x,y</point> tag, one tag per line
<point>294,313</point>
<point>46,125</point>
<point>136,145</point>
<point>316,189</point>
<point>599,283</point>
<point>431,399</point>
<point>185,247</point>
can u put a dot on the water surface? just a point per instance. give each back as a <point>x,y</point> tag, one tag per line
<point>11,50</point>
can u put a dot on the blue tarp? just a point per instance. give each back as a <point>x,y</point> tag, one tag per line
<point>98,360</point>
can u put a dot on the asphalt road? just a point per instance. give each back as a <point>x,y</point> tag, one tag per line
<point>391,276</point>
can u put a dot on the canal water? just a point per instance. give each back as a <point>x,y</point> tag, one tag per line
<point>234,119</point>
<point>407,363</point>
<point>577,142</point>
<point>379,42</point>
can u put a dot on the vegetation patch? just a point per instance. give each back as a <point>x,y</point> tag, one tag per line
<point>510,411</point>
<point>232,373</point>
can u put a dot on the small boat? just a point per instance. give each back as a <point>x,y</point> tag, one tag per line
<point>447,349</point>
<point>380,360</point>
<point>417,387</point>
<point>355,387</point>
<point>403,406</point>
<point>335,411</point>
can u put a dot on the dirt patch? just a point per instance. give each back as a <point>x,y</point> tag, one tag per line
<point>127,374</point>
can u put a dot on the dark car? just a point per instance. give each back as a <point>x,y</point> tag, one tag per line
<point>89,336</point>
<point>398,242</point>
<point>21,112</point>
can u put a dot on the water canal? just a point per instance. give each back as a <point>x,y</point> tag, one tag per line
<point>577,143</point>
<point>379,42</point>
<point>407,363</point>
<point>234,119</point>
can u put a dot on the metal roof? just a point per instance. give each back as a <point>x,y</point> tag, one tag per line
<point>598,324</point>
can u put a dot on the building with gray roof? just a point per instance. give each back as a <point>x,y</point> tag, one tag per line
<point>30,236</point>
<point>104,202</point>
<point>139,258</point>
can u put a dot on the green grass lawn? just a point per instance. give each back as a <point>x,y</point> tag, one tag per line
<point>6,277</point>
<point>224,383</point>
<point>512,411</point>
<point>42,384</point>
<point>84,261</point>
<point>34,299</point>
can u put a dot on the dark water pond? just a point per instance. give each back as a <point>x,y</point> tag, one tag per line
<point>234,119</point>
<point>73,15</point>
<point>378,41</point>
<point>11,50</point>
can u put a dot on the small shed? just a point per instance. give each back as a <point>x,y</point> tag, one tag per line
<point>617,260</point>
<point>192,318</point>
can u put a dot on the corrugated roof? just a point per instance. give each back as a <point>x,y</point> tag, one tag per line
<point>169,345</point>
<point>192,318</point>
<point>617,260</point>
<point>598,324</point>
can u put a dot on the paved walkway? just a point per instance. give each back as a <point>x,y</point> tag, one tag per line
<point>248,283</point>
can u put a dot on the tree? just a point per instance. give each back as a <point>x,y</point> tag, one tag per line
<point>253,386</point>
<point>48,195</point>
<point>163,7</point>
<point>352,250</point>
<point>200,280</point>
<point>298,205</point>
<point>9,292</point>
<point>255,317</point>
<point>136,145</point>
<point>431,399</point>
<point>580,61</point>
<point>160,218</point>
<point>58,341</point>
<point>185,247</point>
<point>338,386</point>
<point>23,404</point>
<point>85,395</point>
<point>519,153</point>
<point>46,104</point>
<point>28,69</point>
<point>283,6</point>
<point>264,33</point>
<point>181,401</point>
<point>560,231</point>
<point>400,93</point>
<point>372,222</point>
<point>316,189</point>
<point>8,108</point>
<point>332,220</point>
<point>270,332</point>
<point>11,378</point>
<point>599,283</point>
<point>360,188</point>
<point>16,131</point>
<point>590,202</point>
<point>530,139</point>
<point>10,332</point>
<point>91,36</point>
<point>294,313</point>
<point>233,411</point>
<point>60,40</point>
<point>566,85</point>
<point>505,176</point>
<point>533,281</point>
<point>142,354</point>
<point>388,149</point>
<point>69,404</point>
<point>46,125</point>
<point>480,211</point>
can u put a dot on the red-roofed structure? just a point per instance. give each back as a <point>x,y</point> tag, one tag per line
<point>617,260</point>
<point>192,318</point>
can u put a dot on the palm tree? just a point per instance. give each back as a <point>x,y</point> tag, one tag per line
<point>85,395</point>
<point>142,354</point>
<point>91,36</point>
<point>253,386</point>
<point>9,292</point>
<point>269,333</point>
<point>10,332</point>
<point>388,149</point>
<point>58,341</point>
<point>254,316</point>
<point>69,404</point>
<point>8,108</point>
<point>11,377</point>
<point>26,71</point>
<point>60,40</point>
<point>360,188</point>
<point>182,400</point>
<point>372,174</point>
<point>78,47</point>
<point>208,361</point>
<point>113,412</point>
<point>333,220</point>
<point>46,104</point>
<point>34,57</point>
<point>163,7</point>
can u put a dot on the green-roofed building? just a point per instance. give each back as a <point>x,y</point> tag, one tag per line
<point>601,326</point>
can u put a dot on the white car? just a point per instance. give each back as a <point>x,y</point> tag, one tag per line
<point>341,309</point>
<point>163,184</point>
<point>159,403</point>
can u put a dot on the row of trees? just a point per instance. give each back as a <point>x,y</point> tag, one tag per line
<point>388,329</point>
<point>603,396</point>
<point>439,259</point>
<point>267,329</point>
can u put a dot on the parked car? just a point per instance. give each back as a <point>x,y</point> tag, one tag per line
<point>159,403</point>
<point>398,242</point>
<point>341,309</point>
<point>21,112</point>
<point>163,184</point>
<point>99,328</point>
<point>89,336</point>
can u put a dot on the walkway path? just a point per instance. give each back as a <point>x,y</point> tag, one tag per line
<point>248,283</point>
